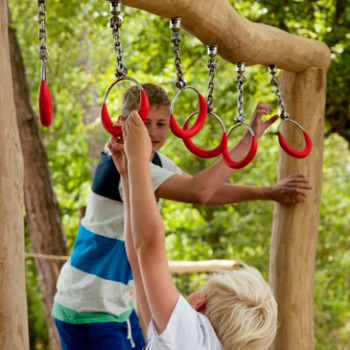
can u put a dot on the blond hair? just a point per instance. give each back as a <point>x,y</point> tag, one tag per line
<point>131,98</point>
<point>242,309</point>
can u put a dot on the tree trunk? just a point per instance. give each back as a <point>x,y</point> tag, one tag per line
<point>13,303</point>
<point>96,137</point>
<point>42,210</point>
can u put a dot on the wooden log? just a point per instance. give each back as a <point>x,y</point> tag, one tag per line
<point>203,266</point>
<point>42,211</point>
<point>13,302</point>
<point>215,22</point>
<point>294,233</point>
<point>179,267</point>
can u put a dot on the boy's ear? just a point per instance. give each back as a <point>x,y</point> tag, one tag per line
<point>201,304</point>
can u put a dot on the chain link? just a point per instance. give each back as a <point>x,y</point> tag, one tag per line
<point>115,23</point>
<point>240,80</point>
<point>212,65</point>
<point>274,82</point>
<point>175,24</point>
<point>42,34</point>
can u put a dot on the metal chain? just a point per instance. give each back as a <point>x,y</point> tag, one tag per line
<point>274,82</point>
<point>240,80</point>
<point>115,23</point>
<point>212,65</point>
<point>175,25</point>
<point>42,36</point>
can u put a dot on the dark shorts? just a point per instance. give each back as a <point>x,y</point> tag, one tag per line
<point>100,336</point>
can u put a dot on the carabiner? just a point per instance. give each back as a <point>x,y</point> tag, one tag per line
<point>249,156</point>
<point>197,126</point>
<point>45,104</point>
<point>287,147</point>
<point>107,123</point>
<point>201,152</point>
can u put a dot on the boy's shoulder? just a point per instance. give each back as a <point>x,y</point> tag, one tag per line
<point>168,164</point>
<point>186,329</point>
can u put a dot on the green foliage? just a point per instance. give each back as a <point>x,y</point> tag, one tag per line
<point>81,55</point>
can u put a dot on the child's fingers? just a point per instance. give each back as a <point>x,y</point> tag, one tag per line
<point>265,105</point>
<point>271,120</point>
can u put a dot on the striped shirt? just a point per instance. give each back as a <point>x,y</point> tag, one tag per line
<point>95,283</point>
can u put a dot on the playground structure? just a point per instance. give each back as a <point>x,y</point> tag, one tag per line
<point>294,234</point>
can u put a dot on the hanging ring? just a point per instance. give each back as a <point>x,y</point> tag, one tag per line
<point>249,156</point>
<point>107,123</point>
<point>288,148</point>
<point>201,152</point>
<point>202,115</point>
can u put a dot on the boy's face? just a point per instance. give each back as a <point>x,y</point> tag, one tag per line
<point>157,125</point>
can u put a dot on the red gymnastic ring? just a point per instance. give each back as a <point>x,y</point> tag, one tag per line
<point>197,126</point>
<point>201,152</point>
<point>107,123</point>
<point>249,156</point>
<point>288,148</point>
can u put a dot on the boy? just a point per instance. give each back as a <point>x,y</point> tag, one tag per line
<point>235,310</point>
<point>92,306</point>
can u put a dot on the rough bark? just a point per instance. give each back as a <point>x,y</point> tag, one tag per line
<point>13,303</point>
<point>294,233</point>
<point>41,206</point>
<point>96,137</point>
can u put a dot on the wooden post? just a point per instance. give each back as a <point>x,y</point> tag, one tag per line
<point>294,233</point>
<point>13,302</point>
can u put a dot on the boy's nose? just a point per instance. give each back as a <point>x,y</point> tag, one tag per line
<point>151,130</point>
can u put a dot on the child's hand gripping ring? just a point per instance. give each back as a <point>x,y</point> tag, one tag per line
<point>45,104</point>
<point>197,126</point>
<point>287,147</point>
<point>249,156</point>
<point>201,152</point>
<point>107,123</point>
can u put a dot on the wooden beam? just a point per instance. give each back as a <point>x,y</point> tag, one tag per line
<point>294,233</point>
<point>203,266</point>
<point>179,266</point>
<point>13,301</point>
<point>216,22</point>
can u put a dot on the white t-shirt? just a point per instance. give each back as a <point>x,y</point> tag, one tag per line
<point>187,329</point>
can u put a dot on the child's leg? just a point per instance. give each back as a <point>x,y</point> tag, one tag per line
<point>73,336</point>
<point>112,335</point>
<point>97,336</point>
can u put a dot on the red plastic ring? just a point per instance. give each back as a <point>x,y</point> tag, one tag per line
<point>201,152</point>
<point>197,126</point>
<point>107,123</point>
<point>288,148</point>
<point>249,156</point>
<point>45,104</point>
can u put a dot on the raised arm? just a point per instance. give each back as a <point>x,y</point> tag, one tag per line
<point>147,226</point>
<point>119,158</point>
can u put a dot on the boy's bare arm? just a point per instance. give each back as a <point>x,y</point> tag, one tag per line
<point>147,226</point>
<point>290,190</point>
<point>117,151</point>
<point>209,186</point>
